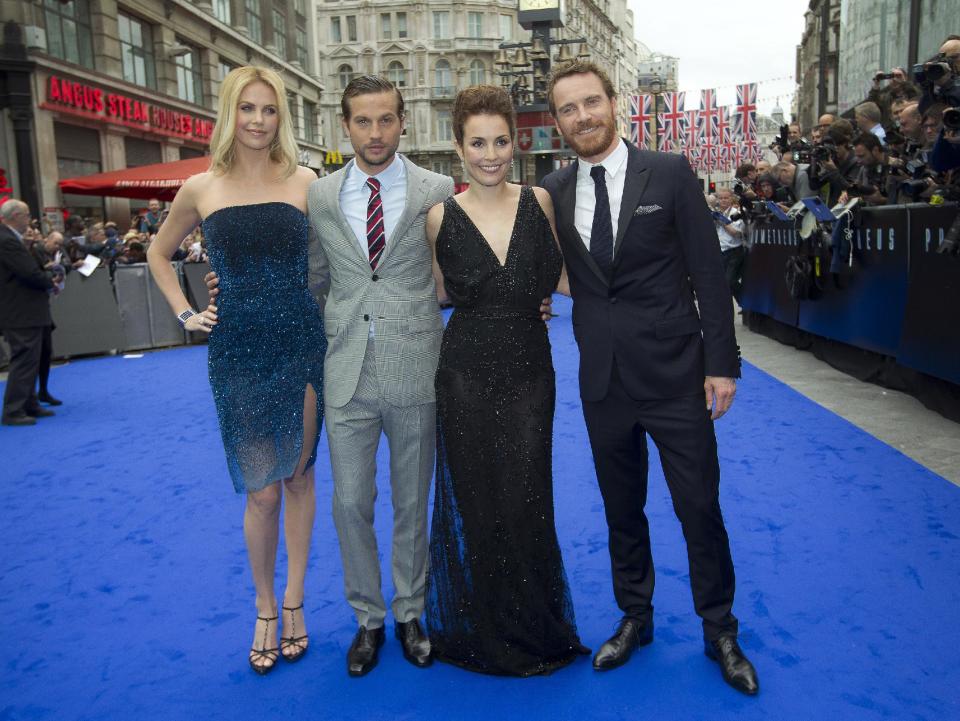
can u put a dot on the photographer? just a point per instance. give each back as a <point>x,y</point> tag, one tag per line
<point>945,155</point>
<point>938,77</point>
<point>867,116</point>
<point>730,233</point>
<point>832,163</point>
<point>794,178</point>
<point>873,177</point>
<point>745,182</point>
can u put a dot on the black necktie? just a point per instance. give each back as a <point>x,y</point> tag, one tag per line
<point>601,234</point>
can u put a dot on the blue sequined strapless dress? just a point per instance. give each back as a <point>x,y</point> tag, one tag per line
<point>269,342</point>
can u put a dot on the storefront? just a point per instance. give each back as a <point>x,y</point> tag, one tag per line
<point>94,128</point>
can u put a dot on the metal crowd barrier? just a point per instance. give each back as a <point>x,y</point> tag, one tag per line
<point>94,315</point>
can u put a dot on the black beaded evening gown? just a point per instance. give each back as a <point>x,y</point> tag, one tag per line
<point>268,343</point>
<point>497,595</point>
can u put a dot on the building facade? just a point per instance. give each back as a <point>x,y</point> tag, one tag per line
<point>818,62</point>
<point>117,84</point>
<point>433,49</point>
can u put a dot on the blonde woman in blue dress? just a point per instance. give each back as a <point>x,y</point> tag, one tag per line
<point>266,334</point>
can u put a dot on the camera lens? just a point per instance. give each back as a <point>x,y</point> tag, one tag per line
<point>951,119</point>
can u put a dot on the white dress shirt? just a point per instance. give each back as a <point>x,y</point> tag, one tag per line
<point>728,241</point>
<point>615,166</point>
<point>880,133</point>
<point>354,196</point>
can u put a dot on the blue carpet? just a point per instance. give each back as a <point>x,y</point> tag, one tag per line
<point>125,592</point>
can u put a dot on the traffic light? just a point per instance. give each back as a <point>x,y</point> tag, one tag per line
<point>712,188</point>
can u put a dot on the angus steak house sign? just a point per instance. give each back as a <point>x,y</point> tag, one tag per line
<point>118,109</point>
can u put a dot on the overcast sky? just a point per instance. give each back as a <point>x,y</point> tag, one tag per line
<point>722,43</point>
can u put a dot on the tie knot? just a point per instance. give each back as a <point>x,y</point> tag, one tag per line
<point>373,184</point>
<point>598,173</point>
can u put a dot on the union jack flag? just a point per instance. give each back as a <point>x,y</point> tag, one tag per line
<point>671,119</point>
<point>707,120</point>
<point>738,154</point>
<point>723,125</point>
<point>640,114</point>
<point>745,113</point>
<point>752,151</point>
<point>690,128</point>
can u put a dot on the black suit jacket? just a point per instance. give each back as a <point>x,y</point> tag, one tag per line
<point>666,254</point>
<point>24,302</point>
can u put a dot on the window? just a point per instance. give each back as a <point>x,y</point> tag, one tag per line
<point>352,28</point>
<point>475,25</point>
<point>386,27</point>
<point>443,77</point>
<point>221,10</point>
<point>223,69</point>
<point>136,51</point>
<point>280,33</point>
<point>441,24</point>
<point>68,31</point>
<point>336,34</point>
<point>294,108</point>
<point>444,125</point>
<point>189,80</point>
<point>441,166</point>
<point>506,27</point>
<point>302,47</point>
<point>309,122</point>
<point>254,23</point>
<point>478,72</point>
<point>401,25</point>
<point>300,6</point>
<point>396,75</point>
<point>344,75</point>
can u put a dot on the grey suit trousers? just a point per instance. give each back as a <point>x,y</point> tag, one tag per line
<point>354,432</point>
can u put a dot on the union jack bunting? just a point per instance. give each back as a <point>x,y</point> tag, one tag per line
<point>745,112</point>
<point>640,114</point>
<point>723,125</point>
<point>707,120</point>
<point>671,119</point>
<point>690,128</point>
<point>738,154</point>
<point>753,152</point>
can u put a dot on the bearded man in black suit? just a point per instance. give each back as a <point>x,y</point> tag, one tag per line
<point>24,314</point>
<point>653,318</point>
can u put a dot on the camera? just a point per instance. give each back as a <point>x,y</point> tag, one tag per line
<point>884,76</point>
<point>827,150</point>
<point>951,119</point>
<point>931,71</point>
<point>859,191</point>
<point>914,187</point>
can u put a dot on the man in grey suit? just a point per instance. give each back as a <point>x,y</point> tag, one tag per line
<point>384,328</point>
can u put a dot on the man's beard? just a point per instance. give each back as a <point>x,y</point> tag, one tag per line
<point>590,145</point>
<point>387,158</point>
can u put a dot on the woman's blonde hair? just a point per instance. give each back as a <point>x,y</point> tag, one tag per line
<point>283,149</point>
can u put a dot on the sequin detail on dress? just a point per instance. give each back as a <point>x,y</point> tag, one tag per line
<point>497,595</point>
<point>268,343</point>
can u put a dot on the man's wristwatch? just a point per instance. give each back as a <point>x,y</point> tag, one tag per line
<point>185,316</point>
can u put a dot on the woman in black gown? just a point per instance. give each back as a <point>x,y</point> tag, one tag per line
<point>497,595</point>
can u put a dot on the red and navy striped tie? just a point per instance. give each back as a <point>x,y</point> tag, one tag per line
<point>376,237</point>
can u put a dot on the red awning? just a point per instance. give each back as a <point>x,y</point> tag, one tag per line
<point>160,180</point>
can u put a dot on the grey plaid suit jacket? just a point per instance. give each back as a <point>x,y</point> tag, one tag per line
<point>400,297</point>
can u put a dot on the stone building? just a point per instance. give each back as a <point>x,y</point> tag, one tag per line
<point>817,63</point>
<point>116,84</point>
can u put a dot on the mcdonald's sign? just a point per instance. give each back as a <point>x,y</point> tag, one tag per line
<point>333,157</point>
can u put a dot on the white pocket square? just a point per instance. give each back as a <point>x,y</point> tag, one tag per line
<point>646,209</point>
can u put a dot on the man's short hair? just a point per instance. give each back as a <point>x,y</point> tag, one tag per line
<point>868,140</point>
<point>840,131</point>
<point>12,206</point>
<point>744,170</point>
<point>368,85</point>
<point>780,167</point>
<point>577,67</point>
<point>870,110</point>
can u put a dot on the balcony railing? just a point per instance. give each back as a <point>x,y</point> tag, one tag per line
<point>443,91</point>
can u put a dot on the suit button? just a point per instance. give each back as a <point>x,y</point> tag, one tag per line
<point>613,300</point>
<point>366,317</point>
<point>375,278</point>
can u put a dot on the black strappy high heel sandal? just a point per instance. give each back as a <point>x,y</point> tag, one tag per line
<point>298,643</point>
<point>264,654</point>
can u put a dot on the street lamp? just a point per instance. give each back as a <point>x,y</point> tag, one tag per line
<point>656,88</point>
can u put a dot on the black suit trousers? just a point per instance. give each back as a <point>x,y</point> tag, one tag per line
<point>25,348</point>
<point>683,433</point>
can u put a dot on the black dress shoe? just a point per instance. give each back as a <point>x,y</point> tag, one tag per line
<point>737,669</point>
<point>21,419</point>
<point>364,651</point>
<point>49,400</point>
<point>39,412</point>
<point>416,645</point>
<point>616,651</point>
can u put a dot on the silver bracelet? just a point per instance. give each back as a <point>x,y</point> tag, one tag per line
<point>185,316</point>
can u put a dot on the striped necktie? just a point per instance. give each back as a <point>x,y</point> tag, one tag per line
<point>376,237</point>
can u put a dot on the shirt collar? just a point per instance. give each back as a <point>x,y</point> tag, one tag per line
<point>387,177</point>
<point>613,163</point>
<point>15,232</point>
